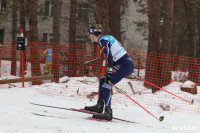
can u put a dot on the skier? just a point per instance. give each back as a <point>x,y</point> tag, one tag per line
<point>47,55</point>
<point>118,59</point>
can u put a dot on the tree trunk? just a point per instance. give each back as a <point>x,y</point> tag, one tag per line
<point>168,26</point>
<point>174,48</point>
<point>115,18</point>
<point>35,63</point>
<point>198,44</point>
<point>165,60</point>
<point>56,36</point>
<point>151,73</point>
<point>103,15</point>
<point>14,38</point>
<point>71,63</point>
<point>190,17</point>
<point>1,55</point>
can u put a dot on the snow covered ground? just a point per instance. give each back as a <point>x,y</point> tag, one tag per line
<point>16,111</point>
<point>16,116</point>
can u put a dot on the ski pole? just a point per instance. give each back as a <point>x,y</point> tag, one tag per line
<point>92,60</point>
<point>191,102</point>
<point>125,93</point>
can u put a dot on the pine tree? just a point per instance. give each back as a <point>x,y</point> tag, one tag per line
<point>56,36</point>
<point>14,38</point>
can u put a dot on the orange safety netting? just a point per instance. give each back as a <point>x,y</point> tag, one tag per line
<point>76,75</point>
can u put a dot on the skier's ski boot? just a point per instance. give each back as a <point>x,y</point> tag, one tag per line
<point>107,115</point>
<point>98,108</point>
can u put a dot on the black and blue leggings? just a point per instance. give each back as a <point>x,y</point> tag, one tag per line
<point>124,68</point>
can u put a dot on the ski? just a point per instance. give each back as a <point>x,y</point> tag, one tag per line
<point>99,120</point>
<point>60,117</point>
<point>80,110</point>
<point>45,115</point>
<point>87,112</point>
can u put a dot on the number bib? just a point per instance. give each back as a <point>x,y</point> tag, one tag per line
<point>116,48</point>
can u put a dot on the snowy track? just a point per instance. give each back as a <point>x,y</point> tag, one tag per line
<point>16,116</point>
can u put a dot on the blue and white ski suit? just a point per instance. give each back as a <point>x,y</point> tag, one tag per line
<point>115,53</point>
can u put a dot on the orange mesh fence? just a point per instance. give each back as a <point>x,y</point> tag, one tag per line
<point>77,74</point>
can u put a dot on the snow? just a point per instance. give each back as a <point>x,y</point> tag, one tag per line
<point>188,84</point>
<point>16,116</point>
<point>16,111</point>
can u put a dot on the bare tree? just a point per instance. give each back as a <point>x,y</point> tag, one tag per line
<point>56,36</point>
<point>1,55</point>
<point>71,63</point>
<point>14,37</point>
<point>115,18</point>
<point>103,14</point>
<point>22,15</point>
<point>174,47</point>
<point>165,59</point>
<point>153,43</point>
<point>7,9</point>
<point>198,44</point>
<point>33,38</point>
<point>190,16</point>
<point>198,28</point>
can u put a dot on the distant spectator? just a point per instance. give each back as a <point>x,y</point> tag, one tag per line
<point>47,54</point>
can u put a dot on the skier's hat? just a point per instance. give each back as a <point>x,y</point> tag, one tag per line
<point>95,31</point>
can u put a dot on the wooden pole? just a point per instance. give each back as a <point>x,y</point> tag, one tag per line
<point>27,79</point>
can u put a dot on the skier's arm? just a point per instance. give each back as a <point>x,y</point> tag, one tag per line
<point>105,47</point>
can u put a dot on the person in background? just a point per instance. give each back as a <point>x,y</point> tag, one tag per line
<point>118,59</point>
<point>47,55</point>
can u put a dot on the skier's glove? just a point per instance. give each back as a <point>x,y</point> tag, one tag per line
<point>114,64</point>
<point>108,78</point>
<point>109,69</point>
